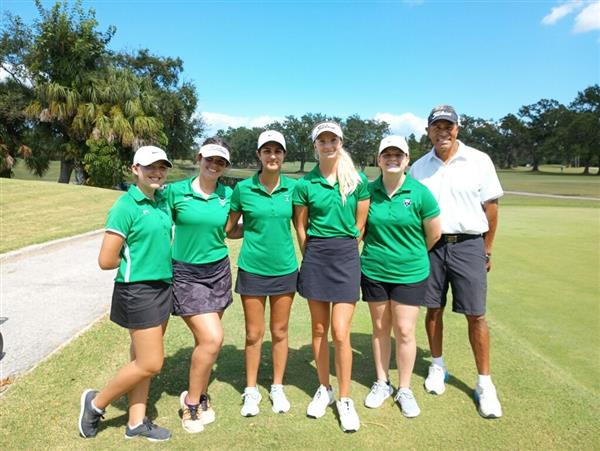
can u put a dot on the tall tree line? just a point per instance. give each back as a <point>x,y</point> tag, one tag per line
<point>69,97</point>
<point>543,132</point>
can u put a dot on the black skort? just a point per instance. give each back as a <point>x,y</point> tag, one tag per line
<point>250,284</point>
<point>141,305</point>
<point>403,293</point>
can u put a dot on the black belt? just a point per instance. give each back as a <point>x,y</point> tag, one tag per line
<point>458,237</point>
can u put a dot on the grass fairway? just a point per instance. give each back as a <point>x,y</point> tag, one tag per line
<point>544,316</point>
<point>34,211</point>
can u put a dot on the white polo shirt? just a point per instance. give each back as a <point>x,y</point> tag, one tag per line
<point>460,187</point>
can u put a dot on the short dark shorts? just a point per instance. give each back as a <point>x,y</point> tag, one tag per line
<point>250,284</point>
<point>330,270</point>
<point>403,293</point>
<point>141,305</point>
<point>461,267</point>
<point>199,289</point>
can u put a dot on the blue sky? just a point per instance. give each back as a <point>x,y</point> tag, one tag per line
<point>253,62</point>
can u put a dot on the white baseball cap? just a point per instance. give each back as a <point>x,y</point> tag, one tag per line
<point>146,155</point>
<point>328,126</point>
<point>214,150</point>
<point>271,136</point>
<point>393,141</point>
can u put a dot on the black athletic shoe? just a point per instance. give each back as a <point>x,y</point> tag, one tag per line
<point>149,431</point>
<point>88,417</point>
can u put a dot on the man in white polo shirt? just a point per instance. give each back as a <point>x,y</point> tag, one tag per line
<point>464,182</point>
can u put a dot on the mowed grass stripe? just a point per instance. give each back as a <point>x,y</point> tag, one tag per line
<point>545,284</point>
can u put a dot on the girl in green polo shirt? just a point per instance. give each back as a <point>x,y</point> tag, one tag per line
<point>201,272</point>
<point>267,266</point>
<point>403,224</point>
<point>330,209</point>
<point>137,242</point>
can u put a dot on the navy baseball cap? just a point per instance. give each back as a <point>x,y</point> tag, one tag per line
<point>443,112</point>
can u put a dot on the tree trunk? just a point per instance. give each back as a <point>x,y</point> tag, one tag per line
<point>302,165</point>
<point>66,169</point>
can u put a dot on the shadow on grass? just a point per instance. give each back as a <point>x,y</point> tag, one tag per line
<point>300,372</point>
<point>363,368</point>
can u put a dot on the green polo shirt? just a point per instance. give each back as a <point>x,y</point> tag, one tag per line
<point>146,226</point>
<point>199,222</point>
<point>267,249</point>
<point>395,250</point>
<point>327,217</point>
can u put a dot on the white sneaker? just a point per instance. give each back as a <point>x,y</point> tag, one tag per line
<point>408,403</point>
<point>348,417</point>
<point>434,383</point>
<point>323,398</point>
<point>251,398</point>
<point>279,400</point>
<point>190,416</point>
<point>380,391</point>
<point>487,401</point>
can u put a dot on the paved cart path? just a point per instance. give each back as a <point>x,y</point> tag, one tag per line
<point>49,294</point>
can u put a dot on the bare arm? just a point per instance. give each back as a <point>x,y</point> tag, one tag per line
<point>301,224</point>
<point>362,211</point>
<point>433,231</point>
<point>490,208</point>
<point>109,257</point>
<point>233,228</point>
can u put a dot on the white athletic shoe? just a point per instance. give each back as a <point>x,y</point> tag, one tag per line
<point>487,401</point>
<point>279,400</point>
<point>190,416</point>
<point>408,403</point>
<point>380,391</point>
<point>435,382</point>
<point>251,399</point>
<point>348,417</point>
<point>323,398</point>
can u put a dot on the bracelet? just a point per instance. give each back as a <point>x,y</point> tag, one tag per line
<point>487,257</point>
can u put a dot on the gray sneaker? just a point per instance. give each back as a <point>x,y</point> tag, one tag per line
<point>149,431</point>
<point>88,416</point>
<point>408,403</point>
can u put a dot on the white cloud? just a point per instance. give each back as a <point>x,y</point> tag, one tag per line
<point>558,12</point>
<point>404,124</point>
<point>217,121</point>
<point>3,74</point>
<point>588,19</point>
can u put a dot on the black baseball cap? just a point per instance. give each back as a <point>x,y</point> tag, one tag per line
<point>443,112</point>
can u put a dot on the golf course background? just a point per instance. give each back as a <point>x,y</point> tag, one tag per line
<point>543,311</point>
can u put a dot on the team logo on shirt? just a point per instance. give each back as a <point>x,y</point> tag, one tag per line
<point>146,212</point>
<point>222,201</point>
<point>286,197</point>
<point>407,203</point>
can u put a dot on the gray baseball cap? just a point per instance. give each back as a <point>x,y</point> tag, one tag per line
<point>443,112</point>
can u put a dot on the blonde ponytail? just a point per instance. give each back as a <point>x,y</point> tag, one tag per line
<point>347,175</point>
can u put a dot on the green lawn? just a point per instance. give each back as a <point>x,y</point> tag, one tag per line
<point>37,211</point>
<point>544,316</point>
